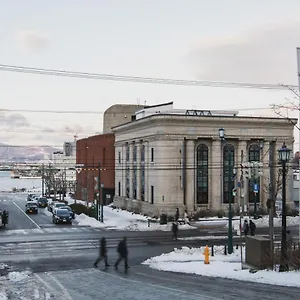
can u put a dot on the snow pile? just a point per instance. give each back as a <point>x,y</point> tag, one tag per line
<point>4,267</point>
<point>260,223</point>
<point>264,222</point>
<point>124,220</point>
<point>3,296</point>
<point>191,260</point>
<point>18,276</point>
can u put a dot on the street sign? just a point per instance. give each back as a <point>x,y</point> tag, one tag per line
<point>239,184</point>
<point>79,167</point>
<point>255,188</point>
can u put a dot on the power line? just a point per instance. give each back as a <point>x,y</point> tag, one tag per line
<point>139,79</point>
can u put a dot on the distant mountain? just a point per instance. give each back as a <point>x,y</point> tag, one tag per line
<point>23,154</point>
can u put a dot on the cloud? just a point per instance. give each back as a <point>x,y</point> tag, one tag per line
<point>262,55</point>
<point>12,121</point>
<point>31,41</point>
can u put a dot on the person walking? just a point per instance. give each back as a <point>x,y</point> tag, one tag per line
<point>186,218</point>
<point>175,230</point>
<point>102,253</point>
<point>177,214</point>
<point>123,254</point>
<point>246,228</point>
<point>252,228</point>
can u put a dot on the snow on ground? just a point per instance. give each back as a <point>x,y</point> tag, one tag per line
<point>191,260</point>
<point>123,220</point>
<point>25,285</point>
<point>260,223</point>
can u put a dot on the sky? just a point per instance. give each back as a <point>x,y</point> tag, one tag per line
<point>232,41</point>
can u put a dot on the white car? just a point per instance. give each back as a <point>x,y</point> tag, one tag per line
<point>56,205</point>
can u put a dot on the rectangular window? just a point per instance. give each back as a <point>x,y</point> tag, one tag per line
<point>152,194</point>
<point>119,157</point>
<point>152,154</point>
<point>119,188</point>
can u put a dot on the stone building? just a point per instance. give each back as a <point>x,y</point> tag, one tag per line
<point>169,158</point>
<point>119,114</point>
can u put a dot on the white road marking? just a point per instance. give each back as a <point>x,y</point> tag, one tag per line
<point>66,294</point>
<point>26,215</point>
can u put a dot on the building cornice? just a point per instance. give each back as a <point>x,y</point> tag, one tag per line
<point>187,120</point>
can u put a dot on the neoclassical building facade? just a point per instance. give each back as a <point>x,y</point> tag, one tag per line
<point>170,158</point>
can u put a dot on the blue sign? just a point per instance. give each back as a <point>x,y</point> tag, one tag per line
<point>239,184</point>
<point>255,188</point>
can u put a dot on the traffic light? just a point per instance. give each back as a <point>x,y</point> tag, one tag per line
<point>247,168</point>
<point>234,192</point>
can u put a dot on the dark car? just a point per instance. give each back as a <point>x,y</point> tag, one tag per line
<point>62,216</point>
<point>42,202</point>
<point>70,210</point>
<point>31,207</point>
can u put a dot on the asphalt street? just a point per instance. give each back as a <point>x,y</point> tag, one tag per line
<point>60,259</point>
<point>70,273</point>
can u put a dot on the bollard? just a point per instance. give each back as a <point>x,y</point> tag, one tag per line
<point>237,246</point>
<point>212,250</point>
<point>148,222</point>
<point>225,250</point>
<point>206,255</point>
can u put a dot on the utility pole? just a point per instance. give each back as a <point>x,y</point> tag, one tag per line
<point>100,196</point>
<point>43,179</point>
<point>271,200</point>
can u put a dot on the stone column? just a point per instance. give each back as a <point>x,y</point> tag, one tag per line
<point>131,166</point>
<point>265,177</point>
<point>242,157</point>
<point>191,178</point>
<point>138,170</point>
<point>123,170</point>
<point>216,175</point>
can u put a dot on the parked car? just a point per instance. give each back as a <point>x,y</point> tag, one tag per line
<point>69,209</point>
<point>56,205</point>
<point>62,216</point>
<point>42,202</point>
<point>31,207</point>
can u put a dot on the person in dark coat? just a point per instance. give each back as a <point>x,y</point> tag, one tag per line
<point>123,254</point>
<point>175,231</point>
<point>102,253</point>
<point>252,227</point>
<point>246,228</point>
<point>4,217</point>
<point>177,214</point>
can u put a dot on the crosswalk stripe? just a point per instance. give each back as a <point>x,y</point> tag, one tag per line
<point>46,230</point>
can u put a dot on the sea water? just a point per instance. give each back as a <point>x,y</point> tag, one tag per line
<point>8,184</point>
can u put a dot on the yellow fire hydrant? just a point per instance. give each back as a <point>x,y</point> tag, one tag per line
<point>206,255</point>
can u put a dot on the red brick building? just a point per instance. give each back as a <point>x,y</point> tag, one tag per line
<point>94,153</point>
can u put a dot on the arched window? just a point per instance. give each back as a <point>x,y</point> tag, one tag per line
<point>202,174</point>
<point>254,155</point>
<point>228,179</point>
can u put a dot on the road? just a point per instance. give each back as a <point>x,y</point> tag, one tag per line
<point>65,268</point>
<point>60,260</point>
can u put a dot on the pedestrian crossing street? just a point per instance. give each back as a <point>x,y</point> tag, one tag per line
<point>49,230</point>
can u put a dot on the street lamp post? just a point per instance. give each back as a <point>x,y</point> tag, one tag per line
<point>230,235</point>
<point>284,156</point>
